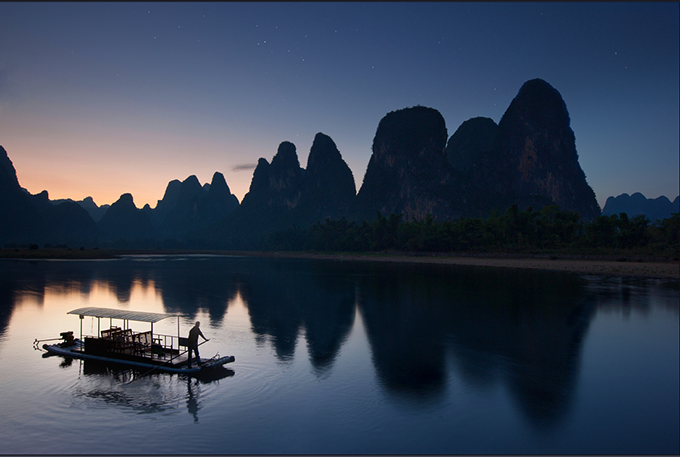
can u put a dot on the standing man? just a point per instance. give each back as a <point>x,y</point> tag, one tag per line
<point>193,341</point>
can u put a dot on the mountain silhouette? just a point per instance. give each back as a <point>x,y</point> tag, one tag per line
<point>636,204</point>
<point>18,217</point>
<point>124,221</point>
<point>187,208</point>
<point>274,191</point>
<point>63,221</point>
<point>529,158</point>
<point>408,172</point>
<point>177,220</point>
<point>473,137</point>
<point>329,190</point>
<point>25,218</point>
<point>96,212</point>
<point>283,195</point>
<point>69,223</point>
<point>532,160</point>
<point>218,202</point>
<point>168,202</point>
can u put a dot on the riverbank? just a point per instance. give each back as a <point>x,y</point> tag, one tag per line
<point>586,264</point>
<point>636,267</point>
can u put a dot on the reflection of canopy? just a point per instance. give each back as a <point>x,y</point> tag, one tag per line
<point>139,316</point>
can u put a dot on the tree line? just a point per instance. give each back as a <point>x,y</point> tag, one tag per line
<point>550,229</point>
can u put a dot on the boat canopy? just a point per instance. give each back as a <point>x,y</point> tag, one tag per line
<point>139,316</point>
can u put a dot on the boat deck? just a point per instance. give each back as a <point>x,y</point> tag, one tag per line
<point>125,346</point>
<point>178,364</point>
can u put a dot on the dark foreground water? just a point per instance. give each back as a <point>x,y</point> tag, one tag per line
<point>340,357</point>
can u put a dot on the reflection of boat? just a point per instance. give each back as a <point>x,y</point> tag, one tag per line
<point>118,345</point>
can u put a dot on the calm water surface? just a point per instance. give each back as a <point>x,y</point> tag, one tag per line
<point>346,357</point>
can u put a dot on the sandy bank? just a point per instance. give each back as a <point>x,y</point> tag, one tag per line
<point>668,270</point>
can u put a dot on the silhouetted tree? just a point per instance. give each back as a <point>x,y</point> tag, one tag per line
<point>549,228</point>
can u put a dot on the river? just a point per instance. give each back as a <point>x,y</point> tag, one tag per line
<point>345,357</point>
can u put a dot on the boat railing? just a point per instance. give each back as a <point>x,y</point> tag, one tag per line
<point>167,342</point>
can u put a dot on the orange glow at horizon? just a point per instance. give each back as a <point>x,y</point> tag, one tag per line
<point>108,174</point>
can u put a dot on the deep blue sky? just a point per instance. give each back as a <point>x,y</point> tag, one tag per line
<point>101,99</point>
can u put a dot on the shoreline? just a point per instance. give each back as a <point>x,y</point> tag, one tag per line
<point>646,269</point>
<point>585,264</point>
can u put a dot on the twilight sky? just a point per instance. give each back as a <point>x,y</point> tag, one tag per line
<point>100,99</point>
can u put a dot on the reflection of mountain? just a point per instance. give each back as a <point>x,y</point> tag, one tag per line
<point>406,338</point>
<point>8,289</point>
<point>187,285</point>
<point>499,325</point>
<point>534,330</point>
<point>282,301</point>
<point>286,297</point>
<point>328,314</point>
<point>20,278</point>
<point>523,330</point>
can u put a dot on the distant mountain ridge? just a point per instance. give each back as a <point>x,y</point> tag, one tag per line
<point>125,221</point>
<point>415,170</point>
<point>636,204</point>
<point>96,212</point>
<point>186,208</point>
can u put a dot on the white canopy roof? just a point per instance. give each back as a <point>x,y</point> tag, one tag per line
<point>140,316</point>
